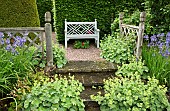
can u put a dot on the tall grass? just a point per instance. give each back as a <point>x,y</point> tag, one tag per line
<point>13,66</point>
<point>159,66</point>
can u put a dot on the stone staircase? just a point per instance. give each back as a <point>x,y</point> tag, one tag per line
<point>90,73</point>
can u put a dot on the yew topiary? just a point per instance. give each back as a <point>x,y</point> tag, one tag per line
<point>19,13</point>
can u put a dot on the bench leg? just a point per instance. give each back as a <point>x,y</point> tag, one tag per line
<point>97,43</point>
<point>66,43</point>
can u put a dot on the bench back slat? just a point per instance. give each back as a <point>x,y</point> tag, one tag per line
<point>80,28</point>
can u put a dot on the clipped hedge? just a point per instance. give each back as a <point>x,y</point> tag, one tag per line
<point>44,6</point>
<point>19,13</point>
<point>86,10</point>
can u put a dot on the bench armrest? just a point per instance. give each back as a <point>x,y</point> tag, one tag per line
<point>65,31</point>
<point>97,30</point>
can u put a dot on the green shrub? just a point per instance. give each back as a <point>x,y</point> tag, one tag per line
<point>59,95</point>
<point>84,11</point>
<point>118,50</point>
<point>126,94</point>
<point>19,13</point>
<point>134,67</point>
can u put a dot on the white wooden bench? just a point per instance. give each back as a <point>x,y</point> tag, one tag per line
<point>81,30</point>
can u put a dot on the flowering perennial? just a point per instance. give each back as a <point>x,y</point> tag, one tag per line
<point>161,42</point>
<point>11,42</point>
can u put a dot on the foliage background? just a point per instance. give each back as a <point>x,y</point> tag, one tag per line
<point>86,10</point>
<point>44,6</point>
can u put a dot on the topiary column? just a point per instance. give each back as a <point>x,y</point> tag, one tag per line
<point>19,13</point>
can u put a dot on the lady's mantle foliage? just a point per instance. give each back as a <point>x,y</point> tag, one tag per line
<point>59,95</point>
<point>134,67</point>
<point>118,49</point>
<point>124,94</point>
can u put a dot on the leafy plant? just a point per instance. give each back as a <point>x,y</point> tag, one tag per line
<point>58,95</point>
<point>59,55</point>
<point>132,95</point>
<point>38,59</point>
<point>134,67</point>
<point>23,86</point>
<point>81,44</point>
<point>118,50</point>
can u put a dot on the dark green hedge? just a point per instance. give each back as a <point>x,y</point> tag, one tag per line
<point>19,13</point>
<point>82,11</point>
<point>44,6</point>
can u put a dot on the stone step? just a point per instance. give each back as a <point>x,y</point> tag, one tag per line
<point>85,95</point>
<point>91,79</point>
<point>87,66</point>
<point>91,105</point>
<point>89,72</point>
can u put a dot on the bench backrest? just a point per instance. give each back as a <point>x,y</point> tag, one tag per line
<point>81,28</point>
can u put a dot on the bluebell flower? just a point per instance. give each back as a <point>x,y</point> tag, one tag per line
<point>1,34</point>
<point>9,34</point>
<point>168,34</point>
<point>161,35</point>
<point>8,47</point>
<point>160,46</point>
<point>167,53</point>
<point>153,38</point>
<point>2,41</point>
<point>146,37</point>
<point>7,41</point>
<point>24,39</point>
<point>13,50</point>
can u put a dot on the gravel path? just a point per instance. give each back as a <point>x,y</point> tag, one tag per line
<point>90,54</point>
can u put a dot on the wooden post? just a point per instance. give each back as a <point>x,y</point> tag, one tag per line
<point>120,23</point>
<point>140,34</point>
<point>48,35</point>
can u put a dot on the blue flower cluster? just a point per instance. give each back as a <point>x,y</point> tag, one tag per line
<point>160,41</point>
<point>11,42</point>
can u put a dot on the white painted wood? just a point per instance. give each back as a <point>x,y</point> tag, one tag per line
<point>81,30</point>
